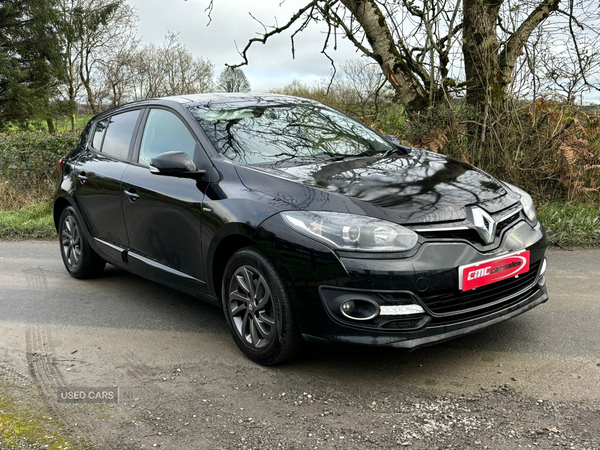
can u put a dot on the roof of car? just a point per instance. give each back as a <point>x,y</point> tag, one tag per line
<point>226,97</point>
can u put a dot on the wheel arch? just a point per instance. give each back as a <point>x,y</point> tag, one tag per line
<point>60,204</point>
<point>231,238</point>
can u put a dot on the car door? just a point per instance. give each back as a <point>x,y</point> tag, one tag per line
<point>98,179</point>
<point>163,213</point>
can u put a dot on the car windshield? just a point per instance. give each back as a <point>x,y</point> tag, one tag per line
<point>275,133</point>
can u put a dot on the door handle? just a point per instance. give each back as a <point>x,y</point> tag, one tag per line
<point>82,177</point>
<point>131,194</point>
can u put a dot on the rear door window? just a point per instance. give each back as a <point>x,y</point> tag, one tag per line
<point>119,134</point>
<point>165,132</point>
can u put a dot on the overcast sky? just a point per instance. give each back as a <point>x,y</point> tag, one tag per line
<point>271,65</point>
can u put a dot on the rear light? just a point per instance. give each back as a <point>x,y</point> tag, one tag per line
<point>62,162</point>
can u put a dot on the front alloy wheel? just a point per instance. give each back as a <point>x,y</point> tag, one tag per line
<point>258,308</point>
<point>251,307</point>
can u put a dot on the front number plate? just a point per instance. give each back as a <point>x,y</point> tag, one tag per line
<point>480,274</point>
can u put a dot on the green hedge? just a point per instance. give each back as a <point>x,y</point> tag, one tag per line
<point>29,159</point>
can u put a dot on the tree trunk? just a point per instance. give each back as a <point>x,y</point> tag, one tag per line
<point>410,90</point>
<point>90,96</point>
<point>72,100</point>
<point>50,123</point>
<point>489,68</point>
<point>480,50</point>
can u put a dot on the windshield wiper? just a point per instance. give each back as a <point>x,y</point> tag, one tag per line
<point>343,156</point>
<point>335,157</point>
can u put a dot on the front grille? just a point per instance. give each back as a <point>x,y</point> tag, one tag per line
<point>506,223</point>
<point>454,303</point>
<point>470,234</point>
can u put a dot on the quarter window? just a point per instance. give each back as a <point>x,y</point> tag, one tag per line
<point>99,134</point>
<point>119,134</point>
<point>165,132</point>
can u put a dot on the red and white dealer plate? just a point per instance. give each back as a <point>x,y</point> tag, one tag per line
<point>472,276</point>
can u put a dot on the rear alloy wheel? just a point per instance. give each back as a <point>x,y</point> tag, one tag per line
<point>258,308</point>
<point>80,260</point>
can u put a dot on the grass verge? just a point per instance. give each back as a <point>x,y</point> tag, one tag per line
<point>571,225</point>
<point>22,429</point>
<point>567,225</point>
<point>32,222</point>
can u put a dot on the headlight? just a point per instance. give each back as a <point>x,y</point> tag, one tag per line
<point>352,232</point>
<point>526,201</point>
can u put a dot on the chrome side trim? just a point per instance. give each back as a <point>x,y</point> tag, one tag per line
<point>109,245</point>
<point>160,266</point>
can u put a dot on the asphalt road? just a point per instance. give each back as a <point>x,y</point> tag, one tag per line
<point>532,381</point>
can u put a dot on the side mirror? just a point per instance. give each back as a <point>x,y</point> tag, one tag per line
<point>175,164</point>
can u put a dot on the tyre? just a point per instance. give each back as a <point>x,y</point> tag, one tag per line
<point>258,308</point>
<point>80,260</point>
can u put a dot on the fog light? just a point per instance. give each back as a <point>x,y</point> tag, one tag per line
<point>359,309</point>
<point>401,310</point>
<point>348,306</point>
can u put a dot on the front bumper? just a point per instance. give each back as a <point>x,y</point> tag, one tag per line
<point>428,278</point>
<point>411,340</point>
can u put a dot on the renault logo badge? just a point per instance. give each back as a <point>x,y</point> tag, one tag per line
<point>483,223</point>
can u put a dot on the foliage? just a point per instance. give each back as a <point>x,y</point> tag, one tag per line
<point>28,165</point>
<point>30,60</point>
<point>35,221</point>
<point>547,147</point>
<point>571,224</point>
<point>61,125</point>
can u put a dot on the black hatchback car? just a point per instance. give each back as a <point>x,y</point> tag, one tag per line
<point>299,221</point>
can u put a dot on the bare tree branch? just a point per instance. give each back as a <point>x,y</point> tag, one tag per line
<point>514,45</point>
<point>277,30</point>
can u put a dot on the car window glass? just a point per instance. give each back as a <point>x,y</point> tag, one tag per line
<point>119,133</point>
<point>99,134</point>
<point>279,132</point>
<point>165,132</point>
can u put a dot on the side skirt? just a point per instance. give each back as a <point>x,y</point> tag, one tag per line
<point>154,271</point>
